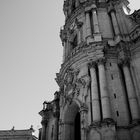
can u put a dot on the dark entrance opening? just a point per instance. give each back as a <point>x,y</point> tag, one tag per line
<point>77,133</point>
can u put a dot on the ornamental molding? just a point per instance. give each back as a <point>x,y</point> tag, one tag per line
<point>86,54</point>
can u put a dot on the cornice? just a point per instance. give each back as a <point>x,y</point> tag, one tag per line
<point>88,53</point>
<point>130,126</point>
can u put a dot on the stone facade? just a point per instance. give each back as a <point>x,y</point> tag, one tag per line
<point>99,96</point>
<point>17,134</point>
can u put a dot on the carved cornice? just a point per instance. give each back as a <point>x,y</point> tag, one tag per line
<point>108,121</point>
<point>131,125</point>
<point>84,54</point>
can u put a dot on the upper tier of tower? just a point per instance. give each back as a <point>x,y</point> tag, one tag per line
<point>71,5</point>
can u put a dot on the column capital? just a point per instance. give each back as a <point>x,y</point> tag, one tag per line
<point>89,8</point>
<point>124,62</point>
<point>101,61</point>
<point>83,108</point>
<point>92,64</point>
<point>44,122</point>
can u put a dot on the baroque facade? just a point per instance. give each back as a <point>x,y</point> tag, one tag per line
<point>99,96</point>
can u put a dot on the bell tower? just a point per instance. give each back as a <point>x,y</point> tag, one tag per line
<point>99,96</point>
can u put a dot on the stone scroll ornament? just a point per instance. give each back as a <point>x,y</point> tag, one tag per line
<point>136,16</point>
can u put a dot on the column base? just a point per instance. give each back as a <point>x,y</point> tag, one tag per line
<point>97,131</point>
<point>89,40</point>
<point>97,37</point>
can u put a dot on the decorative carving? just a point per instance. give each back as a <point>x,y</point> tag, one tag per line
<point>101,61</point>
<point>92,64</point>
<point>63,35</point>
<point>78,23</point>
<point>124,62</point>
<point>70,82</point>
<point>136,16</point>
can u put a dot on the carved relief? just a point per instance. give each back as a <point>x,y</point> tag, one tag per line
<point>136,16</point>
<point>70,82</point>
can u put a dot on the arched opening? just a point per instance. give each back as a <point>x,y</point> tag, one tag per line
<point>77,127</point>
<point>71,125</point>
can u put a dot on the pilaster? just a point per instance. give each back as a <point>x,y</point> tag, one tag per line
<point>135,113</point>
<point>105,102</point>
<point>94,93</point>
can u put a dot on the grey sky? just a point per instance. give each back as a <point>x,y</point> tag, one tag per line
<point>30,55</point>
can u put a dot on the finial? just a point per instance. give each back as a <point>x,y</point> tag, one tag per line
<point>13,128</point>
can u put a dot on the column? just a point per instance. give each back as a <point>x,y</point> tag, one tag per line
<point>131,92</point>
<point>95,21</point>
<point>83,113</point>
<point>94,94</point>
<point>88,25</point>
<point>115,23</point>
<point>43,131</point>
<point>105,103</point>
<point>89,104</point>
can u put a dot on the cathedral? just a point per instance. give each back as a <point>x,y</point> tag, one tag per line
<point>99,79</point>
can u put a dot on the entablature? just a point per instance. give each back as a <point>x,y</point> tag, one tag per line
<point>81,55</point>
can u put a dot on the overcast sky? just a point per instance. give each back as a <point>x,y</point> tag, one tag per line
<point>30,56</point>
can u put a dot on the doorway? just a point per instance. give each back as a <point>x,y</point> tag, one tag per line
<point>77,127</point>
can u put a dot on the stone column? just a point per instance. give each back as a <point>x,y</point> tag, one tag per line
<point>106,110</point>
<point>89,104</point>
<point>115,23</point>
<point>94,93</point>
<point>131,92</point>
<point>43,131</point>
<point>88,25</point>
<point>95,21</point>
<point>83,113</point>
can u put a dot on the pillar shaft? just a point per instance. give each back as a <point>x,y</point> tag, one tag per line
<point>95,95</point>
<point>83,113</point>
<point>131,93</point>
<point>95,21</point>
<point>43,132</point>
<point>106,110</point>
<point>88,25</point>
<point>115,23</point>
<point>89,103</point>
